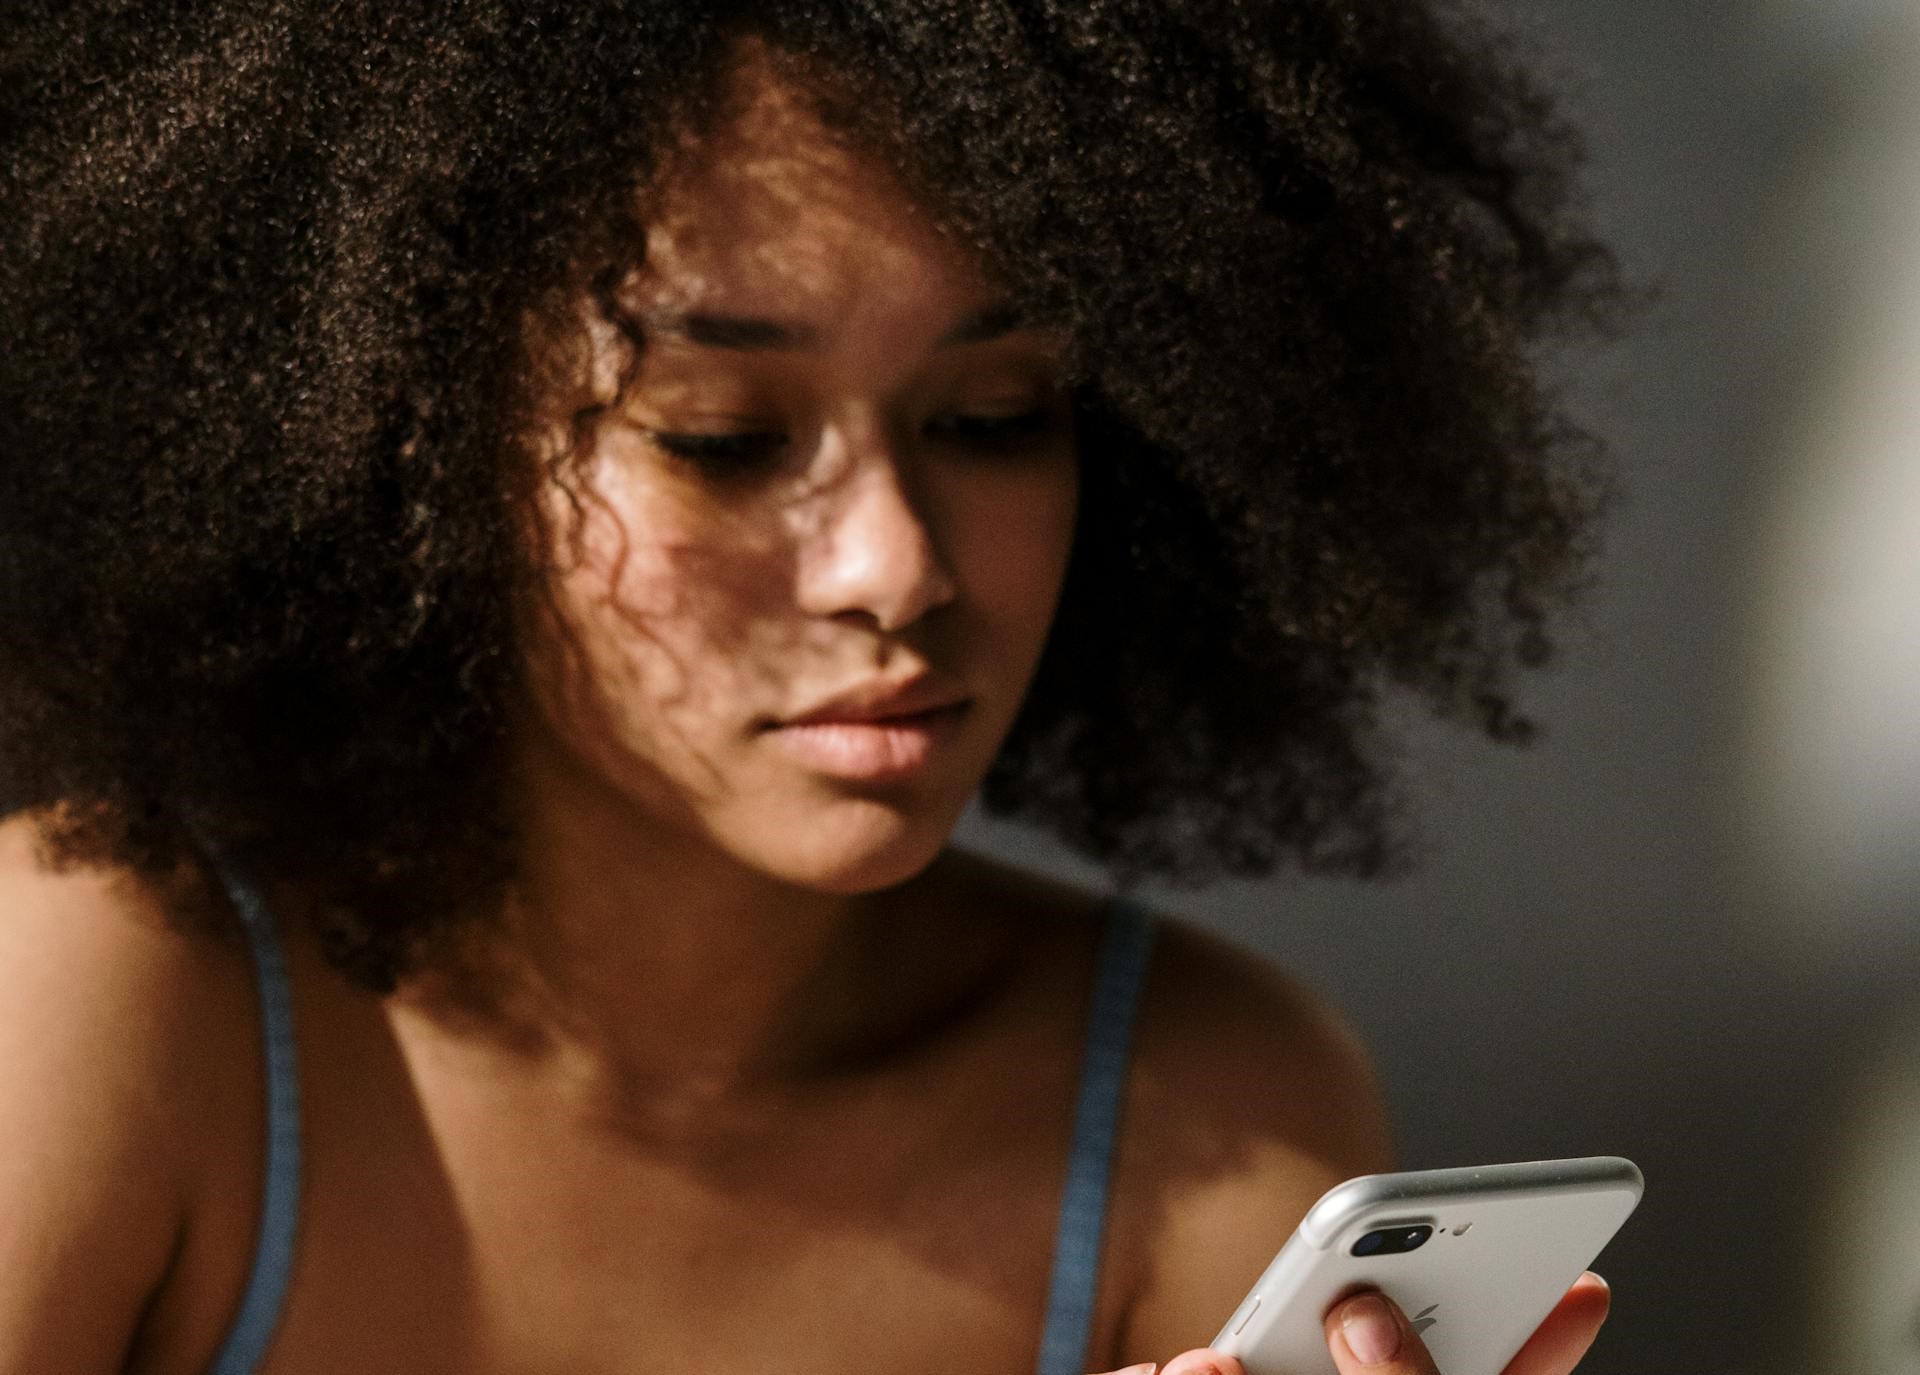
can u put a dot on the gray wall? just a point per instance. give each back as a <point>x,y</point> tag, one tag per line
<point>1590,957</point>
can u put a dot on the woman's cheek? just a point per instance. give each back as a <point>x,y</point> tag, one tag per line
<point>1019,538</point>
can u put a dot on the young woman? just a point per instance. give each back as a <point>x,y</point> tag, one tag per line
<point>523,530</point>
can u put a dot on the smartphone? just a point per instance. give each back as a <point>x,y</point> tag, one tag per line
<point>1476,1258</point>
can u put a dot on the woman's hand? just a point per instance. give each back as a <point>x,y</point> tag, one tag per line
<point>1368,1335</point>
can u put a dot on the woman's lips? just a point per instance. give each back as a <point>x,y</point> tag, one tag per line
<point>870,751</point>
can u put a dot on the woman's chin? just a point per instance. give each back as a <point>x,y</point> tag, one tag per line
<point>863,854</point>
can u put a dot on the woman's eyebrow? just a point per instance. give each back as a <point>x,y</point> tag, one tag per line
<point>752,333</point>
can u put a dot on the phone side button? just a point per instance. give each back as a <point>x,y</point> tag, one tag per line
<point>1241,1326</point>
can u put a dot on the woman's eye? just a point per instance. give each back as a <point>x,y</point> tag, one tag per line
<point>731,452</point>
<point>992,431</point>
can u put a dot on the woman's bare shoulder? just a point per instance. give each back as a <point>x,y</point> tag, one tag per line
<point>1246,1051</point>
<point>116,1050</point>
<point>1250,1097</point>
<point>98,951</point>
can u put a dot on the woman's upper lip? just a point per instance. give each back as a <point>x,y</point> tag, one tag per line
<point>879,700</point>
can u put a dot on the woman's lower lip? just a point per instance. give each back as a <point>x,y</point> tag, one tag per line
<point>870,751</point>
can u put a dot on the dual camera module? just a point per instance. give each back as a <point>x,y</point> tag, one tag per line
<point>1392,1241</point>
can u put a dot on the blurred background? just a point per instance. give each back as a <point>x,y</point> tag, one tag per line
<point>1684,926</point>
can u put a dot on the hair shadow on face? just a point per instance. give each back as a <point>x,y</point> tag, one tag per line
<point>701,616</point>
<point>601,666</point>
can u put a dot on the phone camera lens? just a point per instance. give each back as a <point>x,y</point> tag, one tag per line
<point>1392,1241</point>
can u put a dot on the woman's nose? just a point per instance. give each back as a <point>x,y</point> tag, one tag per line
<point>872,553</point>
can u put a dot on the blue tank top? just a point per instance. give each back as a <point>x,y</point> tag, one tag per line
<point>1125,943</point>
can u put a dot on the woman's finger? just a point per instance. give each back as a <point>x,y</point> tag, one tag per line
<point>1369,1335</point>
<point>1198,1362</point>
<point>1202,1362</point>
<point>1559,1343</point>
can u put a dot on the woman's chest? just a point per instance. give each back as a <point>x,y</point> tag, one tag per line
<point>911,1228</point>
<point>623,1289</point>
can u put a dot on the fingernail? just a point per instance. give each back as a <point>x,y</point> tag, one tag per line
<point>1371,1333</point>
<point>1146,1369</point>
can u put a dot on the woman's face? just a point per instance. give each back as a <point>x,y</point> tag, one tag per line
<point>806,571</point>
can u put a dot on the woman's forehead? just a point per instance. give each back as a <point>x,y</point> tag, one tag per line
<point>772,205</point>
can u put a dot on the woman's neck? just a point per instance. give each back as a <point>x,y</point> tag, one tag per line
<point>648,976</point>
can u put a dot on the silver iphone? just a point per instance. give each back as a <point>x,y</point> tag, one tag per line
<point>1476,1258</point>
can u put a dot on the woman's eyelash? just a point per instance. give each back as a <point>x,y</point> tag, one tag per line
<point>750,448</point>
<point>993,431</point>
<point>721,450</point>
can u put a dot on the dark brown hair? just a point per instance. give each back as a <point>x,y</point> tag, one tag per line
<point>265,269</point>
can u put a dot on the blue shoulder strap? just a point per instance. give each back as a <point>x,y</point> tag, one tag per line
<point>259,1313</point>
<point>1125,945</point>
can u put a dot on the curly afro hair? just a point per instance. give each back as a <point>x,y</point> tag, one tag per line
<point>267,270</point>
